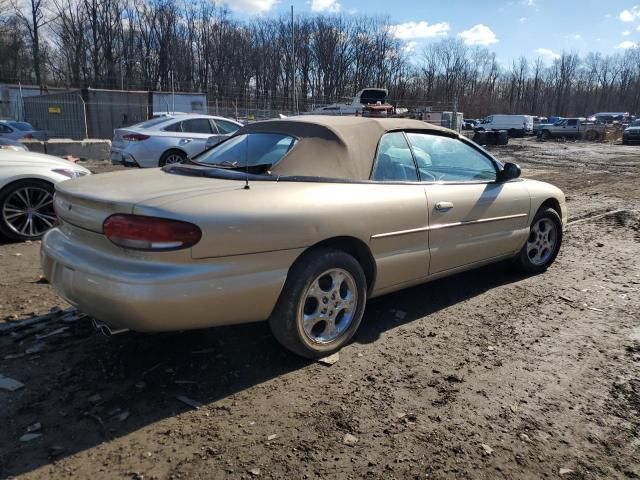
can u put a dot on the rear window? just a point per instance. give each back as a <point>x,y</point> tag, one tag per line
<point>226,127</point>
<point>249,150</point>
<point>152,123</point>
<point>24,126</point>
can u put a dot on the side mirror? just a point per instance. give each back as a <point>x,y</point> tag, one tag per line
<point>509,172</point>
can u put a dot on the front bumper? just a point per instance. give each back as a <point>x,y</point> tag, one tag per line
<point>144,293</point>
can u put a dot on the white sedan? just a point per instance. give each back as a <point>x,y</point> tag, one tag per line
<point>168,139</point>
<point>27,184</point>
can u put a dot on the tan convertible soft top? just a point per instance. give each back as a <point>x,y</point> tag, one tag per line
<point>335,147</point>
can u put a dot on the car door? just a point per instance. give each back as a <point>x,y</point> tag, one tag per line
<point>400,247</point>
<point>472,217</point>
<point>195,132</point>
<point>571,127</point>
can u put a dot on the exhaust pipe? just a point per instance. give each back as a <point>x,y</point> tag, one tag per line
<point>106,330</point>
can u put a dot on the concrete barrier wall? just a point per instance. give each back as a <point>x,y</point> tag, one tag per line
<point>83,149</point>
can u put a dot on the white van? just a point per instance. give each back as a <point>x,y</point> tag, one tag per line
<point>516,125</point>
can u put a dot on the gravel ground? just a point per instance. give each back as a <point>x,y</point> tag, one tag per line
<point>485,375</point>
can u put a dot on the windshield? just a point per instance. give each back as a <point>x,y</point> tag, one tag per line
<point>24,126</point>
<point>250,149</point>
<point>635,123</point>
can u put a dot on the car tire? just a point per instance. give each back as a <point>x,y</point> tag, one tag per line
<point>546,135</point>
<point>321,304</point>
<point>543,243</point>
<point>172,156</point>
<point>12,199</point>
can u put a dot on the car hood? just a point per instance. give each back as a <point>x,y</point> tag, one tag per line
<point>632,129</point>
<point>10,157</point>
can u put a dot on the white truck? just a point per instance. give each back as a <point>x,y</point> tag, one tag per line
<point>516,125</point>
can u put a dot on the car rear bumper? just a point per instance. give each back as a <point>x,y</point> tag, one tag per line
<point>149,295</point>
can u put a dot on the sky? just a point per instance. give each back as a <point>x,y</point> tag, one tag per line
<point>511,28</point>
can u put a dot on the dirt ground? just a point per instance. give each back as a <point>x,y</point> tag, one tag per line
<point>485,375</point>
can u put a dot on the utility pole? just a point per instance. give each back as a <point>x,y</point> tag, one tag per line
<point>294,100</point>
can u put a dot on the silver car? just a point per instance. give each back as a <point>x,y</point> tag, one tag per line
<point>168,139</point>
<point>14,130</point>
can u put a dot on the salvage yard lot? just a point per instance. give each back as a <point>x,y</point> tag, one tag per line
<point>488,374</point>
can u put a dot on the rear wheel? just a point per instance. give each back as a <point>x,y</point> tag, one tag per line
<point>172,156</point>
<point>26,210</point>
<point>546,135</point>
<point>543,243</point>
<point>321,304</point>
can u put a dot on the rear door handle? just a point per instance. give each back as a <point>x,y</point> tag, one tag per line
<point>444,206</point>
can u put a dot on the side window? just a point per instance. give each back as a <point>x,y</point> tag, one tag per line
<point>5,129</point>
<point>572,123</point>
<point>174,127</point>
<point>449,159</point>
<point>225,127</point>
<point>394,161</point>
<point>196,125</point>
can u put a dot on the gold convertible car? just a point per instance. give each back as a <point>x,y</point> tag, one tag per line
<point>298,221</point>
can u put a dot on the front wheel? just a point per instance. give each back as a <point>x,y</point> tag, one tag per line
<point>321,304</point>
<point>543,243</point>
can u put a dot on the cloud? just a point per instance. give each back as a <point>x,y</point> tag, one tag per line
<point>547,53</point>
<point>531,3</point>
<point>523,19</point>
<point>420,30</point>
<point>631,14</point>
<point>251,6</point>
<point>331,6</point>
<point>577,36</point>
<point>478,35</point>
<point>607,15</point>
<point>626,33</point>
<point>410,47</point>
<point>626,44</point>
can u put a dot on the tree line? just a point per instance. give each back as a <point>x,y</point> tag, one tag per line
<point>279,64</point>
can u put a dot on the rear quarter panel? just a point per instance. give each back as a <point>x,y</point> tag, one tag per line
<point>274,216</point>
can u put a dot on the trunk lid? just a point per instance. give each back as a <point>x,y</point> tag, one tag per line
<point>86,202</point>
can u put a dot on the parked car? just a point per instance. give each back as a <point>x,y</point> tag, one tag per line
<point>27,182</point>
<point>14,130</point>
<point>168,139</point>
<point>609,117</point>
<point>566,127</point>
<point>516,125</point>
<point>468,124</point>
<point>537,121</point>
<point>631,134</point>
<point>8,144</point>
<point>298,221</point>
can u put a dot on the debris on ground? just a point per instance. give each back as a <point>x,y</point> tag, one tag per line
<point>349,439</point>
<point>330,360</point>
<point>27,437</point>
<point>10,384</point>
<point>565,471</point>
<point>189,401</point>
<point>487,449</point>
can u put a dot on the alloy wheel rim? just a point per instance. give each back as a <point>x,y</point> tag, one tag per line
<point>327,308</point>
<point>173,158</point>
<point>29,212</point>
<point>542,241</point>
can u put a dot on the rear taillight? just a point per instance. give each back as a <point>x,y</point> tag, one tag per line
<point>150,233</point>
<point>28,136</point>
<point>135,137</point>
